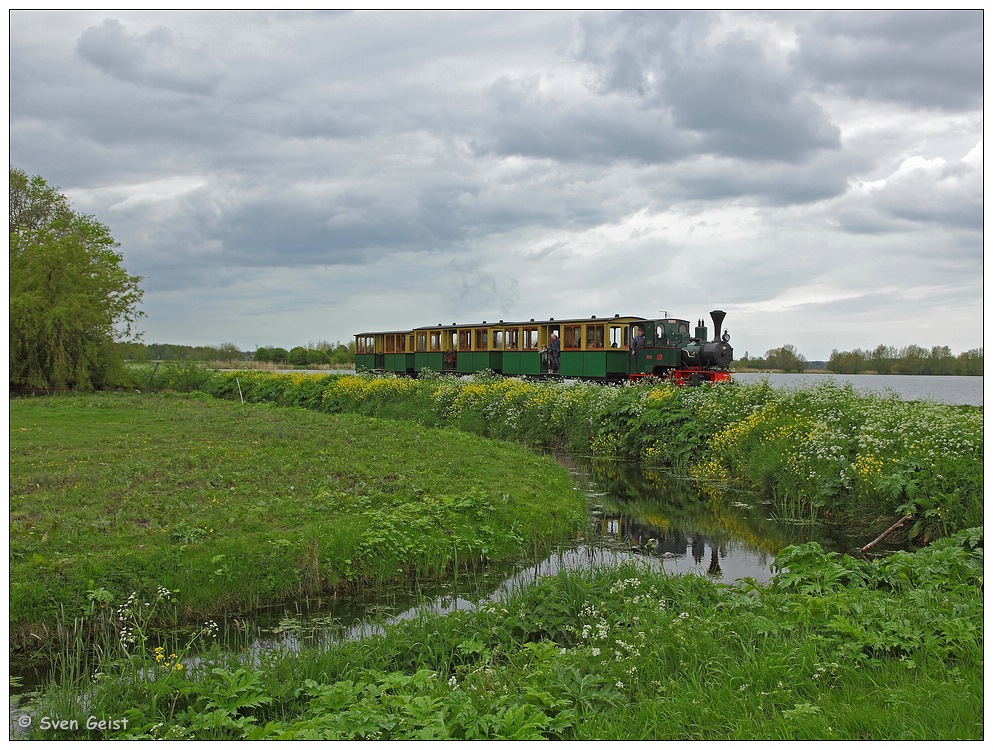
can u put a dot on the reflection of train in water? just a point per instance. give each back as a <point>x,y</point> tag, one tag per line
<point>610,349</point>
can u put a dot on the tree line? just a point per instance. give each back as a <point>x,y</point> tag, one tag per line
<point>910,360</point>
<point>784,359</point>
<point>883,360</point>
<point>320,353</point>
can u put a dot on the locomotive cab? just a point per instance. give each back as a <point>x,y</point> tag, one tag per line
<point>670,351</point>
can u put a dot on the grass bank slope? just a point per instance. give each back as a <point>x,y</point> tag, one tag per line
<point>228,505</point>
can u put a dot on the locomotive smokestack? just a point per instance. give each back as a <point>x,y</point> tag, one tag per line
<point>718,317</point>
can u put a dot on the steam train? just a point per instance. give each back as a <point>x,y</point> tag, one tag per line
<point>604,349</point>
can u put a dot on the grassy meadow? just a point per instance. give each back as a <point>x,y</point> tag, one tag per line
<point>236,505</point>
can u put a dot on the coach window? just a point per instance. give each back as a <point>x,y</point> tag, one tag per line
<point>435,337</point>
<point>513,338</point>
<point>572,337</point>
<point>530,338</point>
<point>618,337</point>
<point>390,343</point>
<point>465,341</point>
<point>498,339</point>
<point>594,337</point>
<point>482,340</point>
<point>422,342</point>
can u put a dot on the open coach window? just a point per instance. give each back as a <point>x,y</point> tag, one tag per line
<point>618,337</point>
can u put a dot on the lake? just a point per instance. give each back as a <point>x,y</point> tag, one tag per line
<point>943,389</point>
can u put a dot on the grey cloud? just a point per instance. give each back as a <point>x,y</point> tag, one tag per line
<point>731,95</point>
<point>926,59</point>
<point>598,131</point>
<point>154,59</point>
<point>949,196</point>
<point>765,183</point>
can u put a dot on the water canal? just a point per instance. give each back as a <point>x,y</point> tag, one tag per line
<point>661,519</point>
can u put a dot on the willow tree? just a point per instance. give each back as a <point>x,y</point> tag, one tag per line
<point>70,296</point>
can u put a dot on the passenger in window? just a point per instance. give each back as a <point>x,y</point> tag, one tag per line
<point>554,350</point>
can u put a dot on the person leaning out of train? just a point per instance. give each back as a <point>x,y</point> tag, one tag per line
<point>638,342</point>
<point>554,349</point>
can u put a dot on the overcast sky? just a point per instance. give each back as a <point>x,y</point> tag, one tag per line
<point>294,177</point>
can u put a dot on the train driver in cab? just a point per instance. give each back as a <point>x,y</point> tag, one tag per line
<point>638,341</point>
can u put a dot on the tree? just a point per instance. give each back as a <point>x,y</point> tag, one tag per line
<point>786,358</point>
<point>229,351</point>
<point>298,356</point>
<point>70,297</point>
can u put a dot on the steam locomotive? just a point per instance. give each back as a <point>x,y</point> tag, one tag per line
<point>605,349</point>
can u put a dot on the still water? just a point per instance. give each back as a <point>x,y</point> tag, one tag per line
<point>943,389</point>
<point>660,519</point>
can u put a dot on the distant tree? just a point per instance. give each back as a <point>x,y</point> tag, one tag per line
<point>228,351</point>
<point>786,358</point>
<point>970,362</point>
<point>70,296</point>
<point>317,357</point>
<point>298,356</point>
<point>342,354</point>
<point>279,355</point>
<point>912,360</point>
<point>883,358</point>
<point>848,363</point>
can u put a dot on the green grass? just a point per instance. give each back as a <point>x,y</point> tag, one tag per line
<point>832,648</point>
<point>230,506</point>
<point>827,451</point>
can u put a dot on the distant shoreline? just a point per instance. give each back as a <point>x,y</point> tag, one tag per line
<point>752,371</point>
